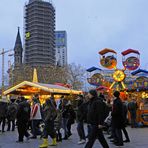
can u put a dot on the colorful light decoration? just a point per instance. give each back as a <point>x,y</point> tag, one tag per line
<point>96,79</point>
<point>109,61</point>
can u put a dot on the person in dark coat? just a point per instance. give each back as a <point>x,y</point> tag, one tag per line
<point>132,107</point>
<point>95,118</point>
<point>80,119</point>
<point>117,119</point>
<point>71,117</point>
<point>65,115</point>
<point>23,117</point>
<point>11,114</point>
<point>3,113</point>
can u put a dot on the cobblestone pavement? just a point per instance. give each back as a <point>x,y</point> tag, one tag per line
<point>139,139</point>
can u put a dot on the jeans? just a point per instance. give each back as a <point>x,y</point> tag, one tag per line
<point>119,137</point>
<point>64,123</point>
<point>3,120</point>
<point>88,129</point>
<point>9,125</point>
<point>80,129</point>
<point>133,118</point>
<point>69,128</point>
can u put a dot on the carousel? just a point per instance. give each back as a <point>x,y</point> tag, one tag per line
<point>140,91</point>
<point>130,61</point>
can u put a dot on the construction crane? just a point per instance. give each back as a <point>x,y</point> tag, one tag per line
<point>3,66</point>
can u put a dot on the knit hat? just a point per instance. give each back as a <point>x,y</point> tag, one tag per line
<point>117,94</point>
<point>93,92</point>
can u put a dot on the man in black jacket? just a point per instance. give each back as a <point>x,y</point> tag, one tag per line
<point>118,119</point>
<point>23,116</point>
<point>95,118</point>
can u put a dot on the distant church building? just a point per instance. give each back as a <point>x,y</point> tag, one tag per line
<point>18,50</point>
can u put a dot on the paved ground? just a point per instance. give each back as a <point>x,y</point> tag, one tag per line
<point>139,139</point>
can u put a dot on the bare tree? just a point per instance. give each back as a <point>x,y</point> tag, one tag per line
<point>72,74</point>
<point>76,75</point>
<point>46,74</point>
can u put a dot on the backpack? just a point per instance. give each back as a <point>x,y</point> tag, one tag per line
<point>12,110</point>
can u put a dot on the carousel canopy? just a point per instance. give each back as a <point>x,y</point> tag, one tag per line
<point>28,88</point>
<point>106,50</point>
<point>128,51</point>
<point>92,69</point>
<point>139,71</point>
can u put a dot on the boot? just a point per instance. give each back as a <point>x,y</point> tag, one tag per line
<point>44,144</point>
<point>54,142</point>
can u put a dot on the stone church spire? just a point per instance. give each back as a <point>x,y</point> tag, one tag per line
<point>18,50</point>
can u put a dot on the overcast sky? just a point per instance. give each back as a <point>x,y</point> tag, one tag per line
<point>91,25</point>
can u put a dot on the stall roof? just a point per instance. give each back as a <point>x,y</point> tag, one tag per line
<point>92,69</point>
<point>106,50</point>
<point>45,88</point>
<point>128,51</point>
<point>139,71</point>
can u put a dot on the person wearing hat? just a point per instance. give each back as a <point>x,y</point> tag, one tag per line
<point>95,118</point>
<point>132,107</point>
<point>117,119</point>
<point>11,114</point>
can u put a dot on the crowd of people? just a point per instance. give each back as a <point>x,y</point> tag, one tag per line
<point>34,119</point>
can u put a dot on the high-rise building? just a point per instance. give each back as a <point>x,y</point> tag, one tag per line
<point>39,33</point>
<point>18,50</point>
<point>61,48</point>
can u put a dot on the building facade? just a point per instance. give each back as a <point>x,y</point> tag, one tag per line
<point>61,48</point>
<point>39,33</point>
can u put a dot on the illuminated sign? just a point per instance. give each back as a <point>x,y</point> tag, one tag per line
<point>131,63</point>
<point>118,75</point>
<point>27,35</point>
<point>96,79</point>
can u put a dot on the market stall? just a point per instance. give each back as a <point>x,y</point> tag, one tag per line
<point>28,89</point>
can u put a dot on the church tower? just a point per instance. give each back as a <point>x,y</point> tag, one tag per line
<point>18,50</point>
